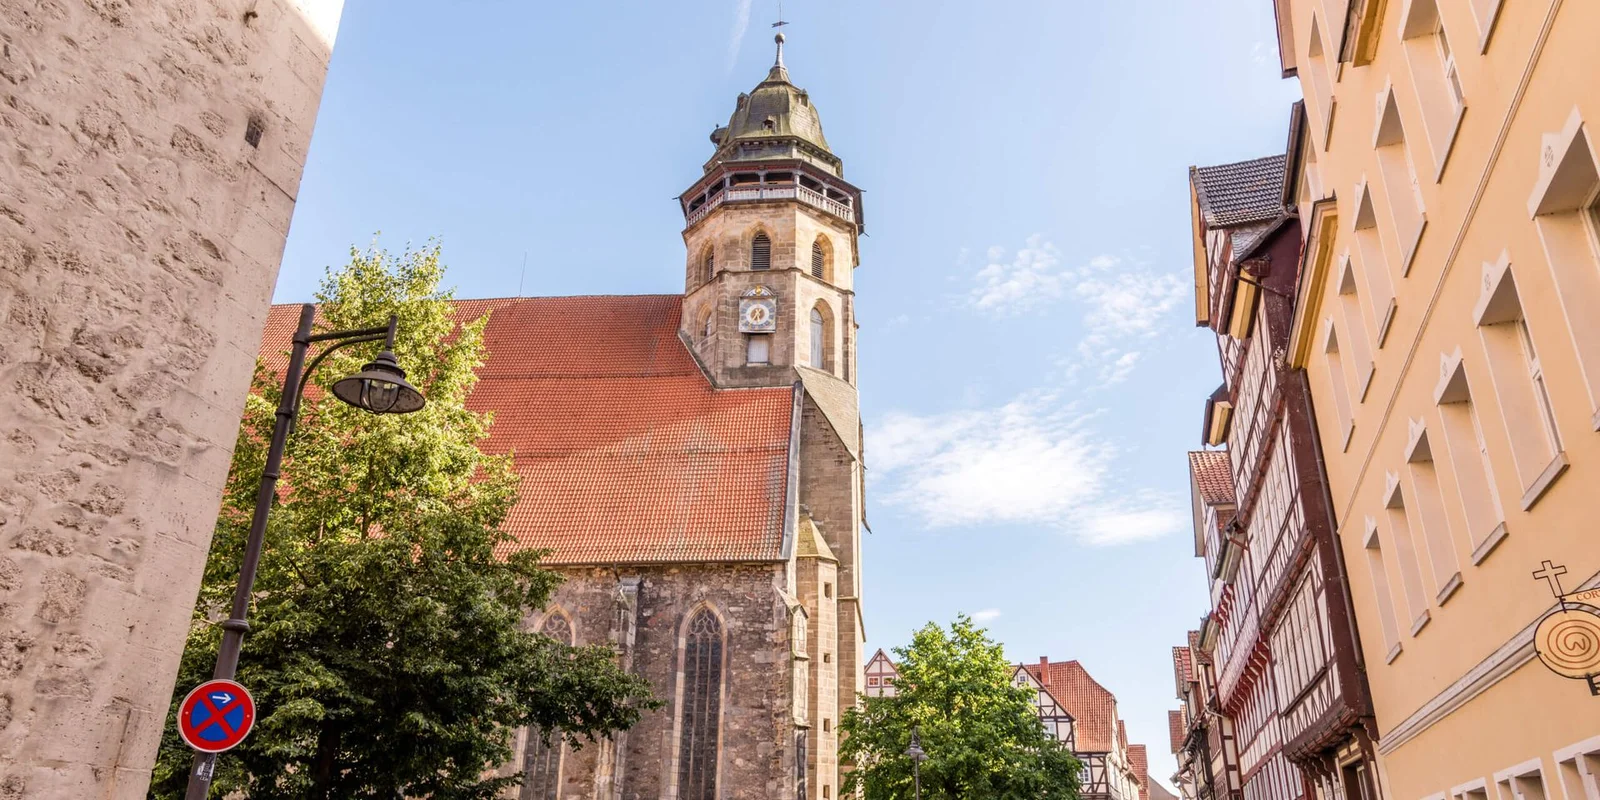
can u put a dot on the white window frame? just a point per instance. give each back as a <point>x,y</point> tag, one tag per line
<point>1435,76</point>
<point>1510,783</point>
<point>1525,405</point>
<point>1581,762</point>
<point>1565,207</point>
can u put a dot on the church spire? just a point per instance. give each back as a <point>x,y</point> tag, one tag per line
<point>779,73</point>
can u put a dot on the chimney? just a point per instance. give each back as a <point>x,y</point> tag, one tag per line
<point>1044,671</point>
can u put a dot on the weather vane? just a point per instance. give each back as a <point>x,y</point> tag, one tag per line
<point>780,23</point>
<point>1568,639</point>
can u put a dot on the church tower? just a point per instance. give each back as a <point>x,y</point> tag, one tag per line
<point>770,231</point>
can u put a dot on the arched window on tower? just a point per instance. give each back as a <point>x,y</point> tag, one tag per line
<point>708,265</point>
<point>818,259</point>
<point>821,351</point>
<point>818,333</point>
<point>541,759</point>
<point>761,252</point>
<point>708,323</point>
<point>701,707</point>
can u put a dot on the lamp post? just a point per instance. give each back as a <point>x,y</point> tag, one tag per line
<point>380,387</point>
<point>917,755</point>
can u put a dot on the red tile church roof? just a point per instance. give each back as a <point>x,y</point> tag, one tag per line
<point>627,454</point>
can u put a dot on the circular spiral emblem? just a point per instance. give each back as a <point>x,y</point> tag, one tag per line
<point>1568,642</point>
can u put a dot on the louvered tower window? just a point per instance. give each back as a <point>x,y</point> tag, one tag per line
<point>541,761</point>
<point>816,259</point>
<point>761,252</point>
<point>710,264</point>
<point>702,708</point>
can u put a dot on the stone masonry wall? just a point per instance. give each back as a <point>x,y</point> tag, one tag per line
<point>757,757</point>
<point>829,484</point>
<point>150,153</point>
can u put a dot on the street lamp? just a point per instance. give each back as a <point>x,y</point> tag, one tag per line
<point>381,388</point>
<point>917,755</point>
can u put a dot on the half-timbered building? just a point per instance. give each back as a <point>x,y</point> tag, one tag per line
<point>1099,739</point>
<point>1288,670</point>
<point>880,675</point>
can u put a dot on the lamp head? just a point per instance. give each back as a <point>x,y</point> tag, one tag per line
<point>380,387</point>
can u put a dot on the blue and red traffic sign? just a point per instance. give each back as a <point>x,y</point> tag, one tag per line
<point>216,716</point>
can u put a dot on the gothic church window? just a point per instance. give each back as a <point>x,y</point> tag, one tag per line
<point>761,252</point>
<point>817,259</point>
<point>541,760</point>
<point>817,333</point>
<point>708,266</point>
<point>700,708</point>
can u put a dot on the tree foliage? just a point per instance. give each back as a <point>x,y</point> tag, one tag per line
<point>982,733</point>
<point>387,651</point>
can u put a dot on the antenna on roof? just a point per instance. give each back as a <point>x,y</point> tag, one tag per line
<point>524,272</point>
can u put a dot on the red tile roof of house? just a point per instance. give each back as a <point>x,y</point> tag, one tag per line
<point>1091,705</point>
<point>1176,730</point>
<point>1182,669</point>
<point>1140,761</point>
<point>1212,473</point>
<point>627,453</point>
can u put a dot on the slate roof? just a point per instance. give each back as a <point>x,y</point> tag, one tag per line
<point>1240,193</point>
<point>1092,706</point>
<point>627,453</point>
<point>1175,730</point>
<point>1212,473</point>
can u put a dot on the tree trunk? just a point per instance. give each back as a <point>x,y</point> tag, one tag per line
<point>325,767</point>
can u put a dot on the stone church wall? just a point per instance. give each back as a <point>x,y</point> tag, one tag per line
<point>150,154</point>
<point>829,490</point>
<point>757,757</point>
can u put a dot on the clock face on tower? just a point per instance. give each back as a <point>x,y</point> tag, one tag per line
<point>758,311</point>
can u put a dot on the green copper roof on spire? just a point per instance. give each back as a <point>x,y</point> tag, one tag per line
<point>775,111</point>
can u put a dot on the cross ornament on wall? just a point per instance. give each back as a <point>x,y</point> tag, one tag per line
<point>1551,573</point>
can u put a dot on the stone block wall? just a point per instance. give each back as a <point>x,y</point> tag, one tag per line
<point>756,757</point>
<point>150,154</point>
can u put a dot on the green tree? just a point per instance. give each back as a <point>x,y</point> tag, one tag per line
<point>981,733</point>
<point>386,652</point>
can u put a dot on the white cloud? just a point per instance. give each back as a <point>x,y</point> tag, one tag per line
<point>1122,303</point>
<point>741,23</point>
<point>1032,278</point>
<point>1117,301</point>
<point>986,615</point>
<point>1260,53</point>
<point>1032,461</point>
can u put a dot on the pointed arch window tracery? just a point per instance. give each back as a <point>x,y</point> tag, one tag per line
<point>818,259</point>
<point>701,707</point>
<point>541,760</point>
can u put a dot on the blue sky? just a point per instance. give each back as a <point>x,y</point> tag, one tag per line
<point>1030,375</point>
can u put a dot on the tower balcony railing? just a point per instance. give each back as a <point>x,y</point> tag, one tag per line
<point>737,194</point>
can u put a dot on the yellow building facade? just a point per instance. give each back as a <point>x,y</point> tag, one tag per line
<point>1449,323</point>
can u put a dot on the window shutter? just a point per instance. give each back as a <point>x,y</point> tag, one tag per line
<point>816,259</point>
<point>761,252</point>
<point>710,264</point>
